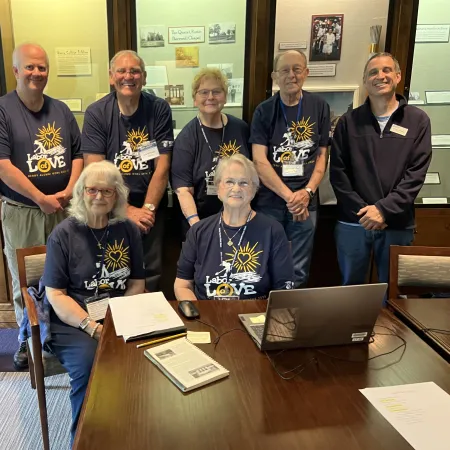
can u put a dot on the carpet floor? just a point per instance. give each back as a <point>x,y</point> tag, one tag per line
<point>8,346</point>
<point>20,427</point>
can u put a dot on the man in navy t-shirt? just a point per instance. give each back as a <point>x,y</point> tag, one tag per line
<point>133,129</point>
<point>289,137</point>
<point>40,161</point>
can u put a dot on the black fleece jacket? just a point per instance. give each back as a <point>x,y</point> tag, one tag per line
<point>386,169</point>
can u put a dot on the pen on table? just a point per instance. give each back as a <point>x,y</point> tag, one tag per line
<point>155,341</point>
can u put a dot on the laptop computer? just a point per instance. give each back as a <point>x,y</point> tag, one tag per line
<point>338,315</point>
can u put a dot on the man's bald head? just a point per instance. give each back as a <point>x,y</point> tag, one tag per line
<point>26,49</point>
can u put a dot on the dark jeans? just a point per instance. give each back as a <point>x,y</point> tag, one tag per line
<point>355,245</point>
<point>301,236</point>
<point>152,244</point>
<point>76,351</point>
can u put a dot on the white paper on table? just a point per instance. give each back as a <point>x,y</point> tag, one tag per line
<point>143,313</point>
<point>419,412</point>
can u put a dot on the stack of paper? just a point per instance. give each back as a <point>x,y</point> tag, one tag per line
<point>419,412</point>
<point>144,315</point>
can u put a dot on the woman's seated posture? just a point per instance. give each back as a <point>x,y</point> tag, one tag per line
<point>94,253</point>
<point>237,253</point>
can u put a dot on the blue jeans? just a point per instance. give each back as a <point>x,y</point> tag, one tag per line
<point>301,236</point>
<point>76,351</point>
<point>355,245</point>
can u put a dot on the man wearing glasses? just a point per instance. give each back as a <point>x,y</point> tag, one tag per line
<point>40,161</point>
<point>133,129</point>
<point>289,136</point>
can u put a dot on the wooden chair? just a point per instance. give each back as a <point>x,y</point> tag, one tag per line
<point>418,270</point>
<point>30,263</point>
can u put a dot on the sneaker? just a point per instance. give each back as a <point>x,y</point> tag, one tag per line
<point>21,357</point>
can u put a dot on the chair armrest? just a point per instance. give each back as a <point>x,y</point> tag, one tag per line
<point>31,308</point>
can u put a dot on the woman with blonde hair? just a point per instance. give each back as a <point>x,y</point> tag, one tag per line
<point>94,254</point>
<point>202,143</point>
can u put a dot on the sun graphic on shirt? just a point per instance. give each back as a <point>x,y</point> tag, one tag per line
<point>49,136</point>
<point>136,138</point>
<point>302,130</point>
<point>227,150</point>
<point>116,256</point>
<point>246,259</point>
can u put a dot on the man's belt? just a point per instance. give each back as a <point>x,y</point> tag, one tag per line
<point>10,202</point>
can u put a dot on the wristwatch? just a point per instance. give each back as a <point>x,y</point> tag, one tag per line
<point>310,192</point>
<point>84,323</point>
<point>150,206</point>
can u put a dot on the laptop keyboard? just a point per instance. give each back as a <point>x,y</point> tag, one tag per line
<point>259,331</point>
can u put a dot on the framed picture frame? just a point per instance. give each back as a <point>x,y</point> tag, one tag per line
<point>326,37</point>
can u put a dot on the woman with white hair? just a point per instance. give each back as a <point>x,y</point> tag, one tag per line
<point>237,253</point>
<point>94,254</point>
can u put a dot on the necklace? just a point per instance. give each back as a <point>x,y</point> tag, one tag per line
<point>230,239</point>
<point>99,242</point>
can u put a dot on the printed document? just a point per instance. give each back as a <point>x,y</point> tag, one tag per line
<point>419,412</point>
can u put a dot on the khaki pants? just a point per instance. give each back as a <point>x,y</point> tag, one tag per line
<point>24,227</point>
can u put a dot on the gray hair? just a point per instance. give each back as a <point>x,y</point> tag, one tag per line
<point>380,55</point>
<point>17,52</point>
<point>248,166</point>
<point>279,55</point>
<point>127,52</point>
<point>113,176</point>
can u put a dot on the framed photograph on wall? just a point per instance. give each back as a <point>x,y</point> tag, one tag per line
<point>326,37</point>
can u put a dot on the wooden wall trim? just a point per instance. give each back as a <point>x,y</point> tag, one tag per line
<point>400,37</point>
<point>121,25</point>
<point>7,43</point>
<point>259,49</point>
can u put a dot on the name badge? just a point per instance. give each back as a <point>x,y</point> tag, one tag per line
<point>148,150</point>
<point>397,129</point>
<point>211,190</point>
<point>226,298</point>
<point>292,170</point>
<point>97,306</point>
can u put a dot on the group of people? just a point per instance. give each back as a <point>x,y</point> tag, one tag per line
<point>248,194</point>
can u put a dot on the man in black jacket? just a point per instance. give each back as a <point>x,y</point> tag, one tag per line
<point>379,158</point>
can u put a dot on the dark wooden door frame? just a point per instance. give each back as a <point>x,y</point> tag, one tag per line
<point>400,37</point>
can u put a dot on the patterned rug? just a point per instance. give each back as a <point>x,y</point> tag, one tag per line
<point>20,427</point>
<point>8,346</point>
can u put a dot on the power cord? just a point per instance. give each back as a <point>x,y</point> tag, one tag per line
<point>219,335</point>
<point>297,370</point>
<point>436,330</point>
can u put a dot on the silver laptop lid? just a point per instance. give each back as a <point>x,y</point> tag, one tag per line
<point>322,316</point>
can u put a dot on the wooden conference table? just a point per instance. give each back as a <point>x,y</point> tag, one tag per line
<point>131,405</point>
<point>424,315</point>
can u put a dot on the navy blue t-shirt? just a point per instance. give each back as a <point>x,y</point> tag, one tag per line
<point>194,165</point>
<point>311,131</point>
<point>108,132</point>
<point>40,144</point>
<point>263,262</point>
<point>73,259</point>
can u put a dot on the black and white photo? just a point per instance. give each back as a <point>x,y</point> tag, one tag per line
<point>152,36</point>
<point>222,33</point>
<point>326,37</point>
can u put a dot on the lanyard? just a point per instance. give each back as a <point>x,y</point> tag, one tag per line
<point>204,134</point>
<point>238,246</point>
<point>99,271</point>
<point>299,111</point>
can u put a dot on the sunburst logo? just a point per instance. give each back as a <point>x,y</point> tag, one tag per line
<point>227,150</point>
<point>116,256</point>
<point>246,259</point>
<point>49,136</point>
<point>302,130</point>
<point>136,138</point>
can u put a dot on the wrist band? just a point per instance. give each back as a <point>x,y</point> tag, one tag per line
<point>94,330</point>
<point>191,217</point>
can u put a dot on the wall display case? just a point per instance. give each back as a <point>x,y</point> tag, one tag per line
<point>214,38</point>
<point>430,91</point>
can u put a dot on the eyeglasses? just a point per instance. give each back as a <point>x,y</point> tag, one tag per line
<point>204,93</point>
<point>287,70</point>
<point>134,72</point>
<point>229,183</point>
<point>93,192</point>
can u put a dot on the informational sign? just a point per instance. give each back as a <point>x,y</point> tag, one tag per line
<point>186,35</point>
<point>73,61</point>
<point>322,70</point>
<point>432,33</point>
